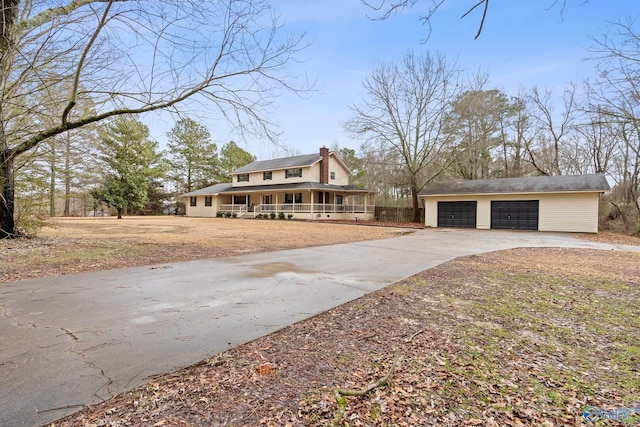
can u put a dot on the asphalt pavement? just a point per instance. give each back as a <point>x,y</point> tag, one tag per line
<point>69,341</point>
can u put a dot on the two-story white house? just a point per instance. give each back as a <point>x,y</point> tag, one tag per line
<point>311,186</point>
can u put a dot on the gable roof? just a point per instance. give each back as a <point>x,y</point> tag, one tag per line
<point>281,163</point>
<point>210,191</point>
<point>527,184</point>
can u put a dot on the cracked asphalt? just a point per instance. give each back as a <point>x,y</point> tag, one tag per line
<point>69,341</point>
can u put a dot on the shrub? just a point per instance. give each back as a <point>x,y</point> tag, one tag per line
<point>281,215</point>
<point>290,216</point>
<point>259,216</point>
<point>235,214</point>
<point>219,214</point>
<point>228,214</point>
<point>272,215</point>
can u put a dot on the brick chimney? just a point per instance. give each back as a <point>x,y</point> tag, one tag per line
<point>324,165</point>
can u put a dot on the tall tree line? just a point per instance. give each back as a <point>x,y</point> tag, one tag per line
<point>118,164</point>
<point>414,132</point>
<point>130,57</point>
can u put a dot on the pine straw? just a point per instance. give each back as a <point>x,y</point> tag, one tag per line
<point>526,337</point>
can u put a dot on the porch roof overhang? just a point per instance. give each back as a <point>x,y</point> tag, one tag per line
<point>228,188</point>
<point>297,187</point>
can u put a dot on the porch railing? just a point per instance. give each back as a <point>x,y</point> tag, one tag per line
<point>312,207</point>
<point>239,209</point>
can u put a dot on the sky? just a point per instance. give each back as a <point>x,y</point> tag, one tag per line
<point>524,43</point>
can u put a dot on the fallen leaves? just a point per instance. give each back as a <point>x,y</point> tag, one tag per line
<point>512,338</point>
<point>265,369</point>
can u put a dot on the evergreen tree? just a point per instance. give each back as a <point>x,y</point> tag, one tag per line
<point>132,160</point>
<point>233,157</point>
<point>194,158</point>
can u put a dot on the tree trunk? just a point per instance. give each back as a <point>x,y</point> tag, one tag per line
<point>67,176</point>
<point>415,203</point>
<point>52,184</point>
<point>119,213</point>
<point>7,198</point>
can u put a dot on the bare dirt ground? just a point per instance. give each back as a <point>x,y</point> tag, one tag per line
<point>527,337</point>
<point>74,245</point>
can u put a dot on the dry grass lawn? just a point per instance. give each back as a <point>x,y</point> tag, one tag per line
<point>73,245</point>
<point>526,337</point>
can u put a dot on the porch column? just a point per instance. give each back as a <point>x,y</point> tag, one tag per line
<point>366,196</point>
<point>311,205</point>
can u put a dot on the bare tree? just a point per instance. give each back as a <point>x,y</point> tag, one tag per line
<point>615,99</point>
<point>476,123</point>
<point>404,109</point>
<point>516,130</point>
<point>596,144</point>
<point>554,129</point>
<point>132,57</point>
<point>387,8</point>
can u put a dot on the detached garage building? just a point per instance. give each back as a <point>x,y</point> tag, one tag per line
<point>546,203</point>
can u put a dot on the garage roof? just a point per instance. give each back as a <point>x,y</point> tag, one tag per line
<point>527,184</point>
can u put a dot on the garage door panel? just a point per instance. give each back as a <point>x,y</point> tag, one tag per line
<point>457,214</point>
<point>515,214</point>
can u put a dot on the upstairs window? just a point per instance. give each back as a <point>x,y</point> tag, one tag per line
<point>243,177</point>
<point>193,201</point>
<point>267,175</point>
<point>333,175</point>
<point>207,200</point>
<point>293,173</point>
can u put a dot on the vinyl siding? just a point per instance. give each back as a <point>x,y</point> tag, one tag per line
<point>342,175</point>
<point>309,174</point>
<point>278,177</point>
<point>569,212</point>
<point>572,212</point>
<point>200,210</point>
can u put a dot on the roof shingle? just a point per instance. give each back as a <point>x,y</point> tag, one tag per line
<point>282,163</point>
<point>529,184</point>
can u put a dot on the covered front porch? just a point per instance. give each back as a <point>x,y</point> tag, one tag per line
<point>309,204</point>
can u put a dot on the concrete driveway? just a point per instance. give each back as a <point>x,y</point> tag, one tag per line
<point>74,340</point>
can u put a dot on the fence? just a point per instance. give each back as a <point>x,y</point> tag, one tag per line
<point>396,214</point>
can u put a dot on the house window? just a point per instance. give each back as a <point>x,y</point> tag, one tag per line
<point>267,175</point>
<point>243,177</point>
<point>333,175</point>
<point>267,199</point>
<point>293,197</point>
<point>338,199</point>
<point>293,173</point>
<point>323,197</point>
<point>193,201</point>
<point>240,200</point>
<point>207,200</point>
